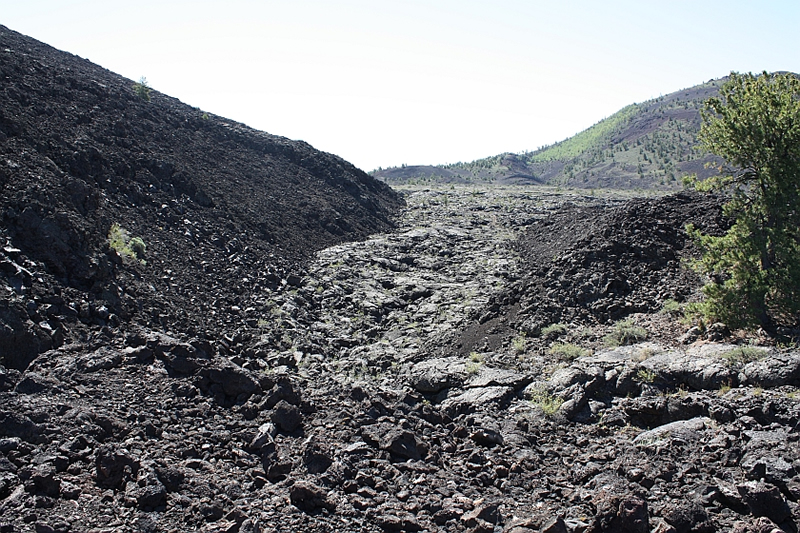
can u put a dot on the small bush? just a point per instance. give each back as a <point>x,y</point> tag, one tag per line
<point>548,403</point>
<point>138,247</point>
<point>126,246</point>
<point>472,368</point>
<point>625,332</point>
<point>742,355</point>
<point>645,375</point>
<point>141,89</point>
<point>568,352</point>
<point>476,357</point>
<point>554,331</point>
<point>519,343</point>
<point>671,308</point>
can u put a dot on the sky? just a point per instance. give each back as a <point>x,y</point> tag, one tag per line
<point>385,83</point>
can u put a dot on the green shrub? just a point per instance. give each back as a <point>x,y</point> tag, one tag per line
<point>625,332</point>
<point>138,247</point>
<point>554,331</point>
<point>141,89</point>
<point>472,368</point>
<point>645,375</point>
<point>548,403</point>
<point>672,308</point>
<point>518,343</point>
<point>742,355</point>
<point>754,124</point>
<point>568,352</point>
<point>126,246</point>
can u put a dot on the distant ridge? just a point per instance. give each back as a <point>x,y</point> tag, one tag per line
<point>649,146</point>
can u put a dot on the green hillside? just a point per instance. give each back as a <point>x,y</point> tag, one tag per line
<point>650,145</point>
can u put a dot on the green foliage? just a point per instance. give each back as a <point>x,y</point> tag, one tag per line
<point>142,89</point>
<point>625,332</point>
<point>548,403</point>
<point>518,343</point>
<point>755,267</point>
<point>472,368</point>
<point>645,375</point>
<point>672,308</point>
<point>553,331</point>
<point>568,352</point>
<point>743,355</point>
<point>126,246</point>
<point>597,134</point>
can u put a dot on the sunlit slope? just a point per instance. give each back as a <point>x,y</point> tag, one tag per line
<point>650,145</point>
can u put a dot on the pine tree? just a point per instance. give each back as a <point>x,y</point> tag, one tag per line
<point>754,125</point>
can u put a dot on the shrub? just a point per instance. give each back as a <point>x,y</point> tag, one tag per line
<point>127,247</point>
<point>754,124</point>
<point>625,332</point>
<point>548,403</point>
<point>142,89</point>
<point>472,368</point>
<point>645,375</point>
<point>554,331</point>
<point>519,343</point>
<point>742,355</point>
<point>138,247</point>
<point>568,352</point>
<point>672,308</point>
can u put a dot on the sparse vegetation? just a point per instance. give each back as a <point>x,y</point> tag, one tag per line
<point>126,246</point>
<point>567,351</point>
<point>142,89</point>
<point>519,343</point>
<point>554,331</point>
<point>645,375</point>
<point>644,354</point>
<point>472,367</point>
<point>742,355</point>
<point>672,308</point>
<point>625,332</point>
<point>548,403</point>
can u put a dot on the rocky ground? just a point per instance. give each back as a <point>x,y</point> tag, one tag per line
<point>411,382</point>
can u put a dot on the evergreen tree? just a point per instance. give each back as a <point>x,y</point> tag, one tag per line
<point>754,125</point>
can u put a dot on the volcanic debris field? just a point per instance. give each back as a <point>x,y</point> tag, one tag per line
<point>204,327</point>
<point>409,382</point>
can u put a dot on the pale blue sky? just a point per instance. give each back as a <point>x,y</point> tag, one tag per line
<point>383,83</point>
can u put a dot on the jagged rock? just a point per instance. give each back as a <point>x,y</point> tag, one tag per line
<point>681,430</point>
<point>44,480</point>
<point>114,466</point>
<point>773,371</point>
<point>287,416</point>
<point>235,381</point>
<point>435,375</point>
<point>765,499</point>
<point>699,368</point>
<point>487,437</point>
<point>309,497</point>
<point>476,398</point>
<point>498,377</point>
<point>686,517</point>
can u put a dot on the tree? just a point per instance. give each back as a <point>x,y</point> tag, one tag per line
<point>142,89</point>
<point>754,125</point>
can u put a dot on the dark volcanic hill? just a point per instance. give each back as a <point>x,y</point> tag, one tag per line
<point>224,211</point>
<point>643,146</point>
